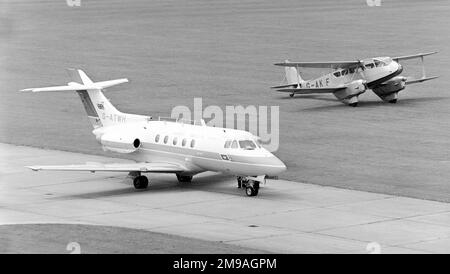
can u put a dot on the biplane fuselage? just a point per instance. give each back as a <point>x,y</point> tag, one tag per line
<point>373,71</point>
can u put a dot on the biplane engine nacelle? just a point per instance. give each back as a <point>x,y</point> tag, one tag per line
<point>119,142</point>
<point>388,91</point>
<point>350,94</point>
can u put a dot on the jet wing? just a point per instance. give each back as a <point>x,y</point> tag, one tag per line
<point>326,64</point>
<point>419,55</point>
<point>116,167</point>
<point>310,90</point>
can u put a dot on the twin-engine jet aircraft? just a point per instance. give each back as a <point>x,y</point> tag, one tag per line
<point>349,79</point>
<point>162,146</point>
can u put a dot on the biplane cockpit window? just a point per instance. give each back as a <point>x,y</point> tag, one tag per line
<point>337,74</point>
<point>344,72</point>
<point>351,70</point>
<point>370,65</point>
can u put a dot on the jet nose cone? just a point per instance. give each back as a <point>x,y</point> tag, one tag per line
<point>277,166</point>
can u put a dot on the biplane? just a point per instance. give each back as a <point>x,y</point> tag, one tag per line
<point>349,79</point>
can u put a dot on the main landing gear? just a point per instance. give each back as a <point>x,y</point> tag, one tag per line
<point>140,182</point>
<point>184,178</point>
<point>353,104</point>
<point>251,186</point>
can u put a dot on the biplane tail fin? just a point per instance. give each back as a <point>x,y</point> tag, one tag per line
<point>292,75</point>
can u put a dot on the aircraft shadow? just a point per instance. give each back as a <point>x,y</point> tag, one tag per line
<point>159,185</point>
<point>310,96</point>
<point>361,104</point>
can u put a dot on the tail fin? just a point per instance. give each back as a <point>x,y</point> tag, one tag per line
<point>99,110</point>
<point>292,75</point>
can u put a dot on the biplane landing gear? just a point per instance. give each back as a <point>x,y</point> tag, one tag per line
<point>393,101</point>
<point>353,104</point>
<point>140,182</point>
<point>292,95</point>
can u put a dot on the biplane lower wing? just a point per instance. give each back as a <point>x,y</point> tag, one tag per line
<point>310,90</point>
<point>419,80</point>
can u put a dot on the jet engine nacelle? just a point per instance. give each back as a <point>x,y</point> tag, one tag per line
<point>119,142</point>
<point>388,91</point>
<point>350,94</point>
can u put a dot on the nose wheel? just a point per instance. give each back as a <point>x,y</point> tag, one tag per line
<point>251,187</point>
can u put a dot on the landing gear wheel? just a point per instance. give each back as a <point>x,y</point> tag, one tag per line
<point>393,101</point>
<point>140,182</point>
<point>252,188</point>
<point>184,178</point>
<point>353,104</point>
<point>291,95</point>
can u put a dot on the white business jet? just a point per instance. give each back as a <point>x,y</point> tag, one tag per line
<point>163,146</point>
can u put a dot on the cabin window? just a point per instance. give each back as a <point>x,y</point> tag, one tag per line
<point>157,138</point>
<point>351,70</point>
<point>370,65</point>
<point>234,144</point>
<point>192,143</point>
<point>183,143</point>
<point>227,144</point>
<point>247,144</point>
<point>337,74</point>
<point>175,141</point>
<point>379,63</point>
<point>166,139</point>
<point>344,72</point>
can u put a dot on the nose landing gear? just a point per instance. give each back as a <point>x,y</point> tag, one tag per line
<point>251,186</point>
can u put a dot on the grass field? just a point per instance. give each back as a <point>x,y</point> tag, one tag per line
<point>223,51</point>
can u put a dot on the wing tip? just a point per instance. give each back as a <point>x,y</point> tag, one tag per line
<point>34,168</point>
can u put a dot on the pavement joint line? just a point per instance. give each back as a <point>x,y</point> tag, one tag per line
<point>323,232</point>
<point>387,219</point>
<point>261,237</point>
<point>402,245</point>
<point>404,217</point>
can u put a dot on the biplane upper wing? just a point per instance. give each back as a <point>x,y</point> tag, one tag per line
<point>419,55</point>
<point>326,64</point>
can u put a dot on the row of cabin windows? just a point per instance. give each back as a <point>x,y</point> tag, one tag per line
<point>243,144</point>
<point>344,72</point>
<point>175,141</point>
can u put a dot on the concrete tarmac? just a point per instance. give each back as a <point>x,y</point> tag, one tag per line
<point>208,215</point>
